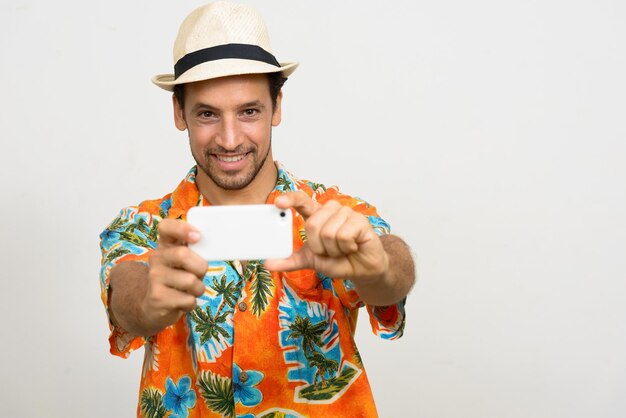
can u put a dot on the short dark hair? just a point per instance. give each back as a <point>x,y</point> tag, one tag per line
<point>275,81</point>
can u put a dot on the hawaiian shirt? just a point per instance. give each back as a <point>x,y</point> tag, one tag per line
<point>259,343</point>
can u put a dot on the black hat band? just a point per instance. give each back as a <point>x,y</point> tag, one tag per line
<point>240,51</point>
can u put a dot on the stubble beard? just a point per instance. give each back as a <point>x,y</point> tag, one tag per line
<point>232,181</point>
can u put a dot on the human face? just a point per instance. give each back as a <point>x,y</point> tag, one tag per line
<point>229,122</point>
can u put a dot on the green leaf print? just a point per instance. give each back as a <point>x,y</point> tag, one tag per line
<point>283,183</point>
<point>324,365</point>
<point>261,288</point>
<point>115,254</point>
<point>117,223</point>
<point>134,239</point>
<point>142,226</point>
<point>151,403</point>
<point>153,234</point>
<point>228,291</point>
<point>217,392</point>
<point>302,327</point>
<point>317,187</point>
<point>357,358</point>
<point>331,387</point>
<point>207,325</point>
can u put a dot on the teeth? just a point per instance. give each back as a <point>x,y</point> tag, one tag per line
<point>230,159</point>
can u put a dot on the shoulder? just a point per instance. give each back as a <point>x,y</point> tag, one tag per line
<point>288,182</point>
<point>185,194</point>
<point>323,193</point>
<point>159,207</point>
<point>141,218</point>
<point>150,208</point>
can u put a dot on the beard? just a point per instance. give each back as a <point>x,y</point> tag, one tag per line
<point>232,180</point>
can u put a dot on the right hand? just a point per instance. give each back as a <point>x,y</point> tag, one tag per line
<point>175,274</point>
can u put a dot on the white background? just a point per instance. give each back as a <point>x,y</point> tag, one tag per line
<point>489,133</point>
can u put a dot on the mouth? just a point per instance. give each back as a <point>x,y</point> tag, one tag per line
<point>230,158</point>
<point>231,162</point>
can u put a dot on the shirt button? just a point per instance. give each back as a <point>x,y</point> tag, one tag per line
<point>242,306</point>
<point>243,377</point>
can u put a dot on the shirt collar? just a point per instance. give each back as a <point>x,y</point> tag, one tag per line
<point>187,195</point>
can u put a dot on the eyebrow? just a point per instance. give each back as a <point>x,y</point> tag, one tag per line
<point>254,103</point>
<point>206,106</point>
<point>202,106</point>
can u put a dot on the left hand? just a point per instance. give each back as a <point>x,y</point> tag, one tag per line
<point>340,242</point>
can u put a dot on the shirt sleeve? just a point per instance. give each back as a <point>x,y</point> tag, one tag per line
<point>130,237</point>
<point>387,322</point>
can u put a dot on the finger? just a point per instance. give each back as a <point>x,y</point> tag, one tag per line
<point>317,223</point>
<point>331,266</point>
<point>339,267</point>
<point>302,259</point>
<point>169,299</point>
<point>180,257</point>
<point>176,232</point>
<point>329,234</point>
<point>352,232</point>
<point>300,201</point>
<point>183,281</point>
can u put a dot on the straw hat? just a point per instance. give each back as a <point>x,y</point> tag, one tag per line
<point>218,40</point>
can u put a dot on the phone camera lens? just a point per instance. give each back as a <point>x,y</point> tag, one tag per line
<point>282,214</point>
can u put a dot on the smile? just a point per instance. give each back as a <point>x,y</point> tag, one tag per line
<point>230,159</point>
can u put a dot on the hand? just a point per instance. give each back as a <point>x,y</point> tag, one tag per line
<point>175,275</point>
<point>340,242</point>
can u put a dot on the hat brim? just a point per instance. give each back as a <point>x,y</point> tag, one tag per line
<point>222,68</point>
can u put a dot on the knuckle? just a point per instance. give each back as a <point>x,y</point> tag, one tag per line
<point>154,273</point>
<point>343,235</point>
<point>312,226</point>
<point>328,233</point>
<point>188,282</point>
<point>333,204</point>
<point>156,295</point>
<point>347,211</point>
<point>181,252</point>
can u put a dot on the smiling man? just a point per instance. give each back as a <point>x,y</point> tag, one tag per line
<point>254,337</point>
<point>229,121</point>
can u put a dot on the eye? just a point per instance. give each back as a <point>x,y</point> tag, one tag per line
<point>250,112</point>
<point>206,114</point>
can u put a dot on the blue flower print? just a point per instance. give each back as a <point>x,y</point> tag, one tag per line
<point>179,398</point>
<point>243,386</point>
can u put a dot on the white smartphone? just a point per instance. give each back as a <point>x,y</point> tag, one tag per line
<point>242,232</point>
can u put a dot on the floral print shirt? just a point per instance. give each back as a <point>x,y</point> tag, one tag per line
<point>259,343</point>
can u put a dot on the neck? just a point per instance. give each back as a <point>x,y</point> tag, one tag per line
<point>254,193</point>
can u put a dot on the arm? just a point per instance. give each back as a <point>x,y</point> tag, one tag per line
<point>397,280</point>
<point>342,243</point>
<point>145,299</point>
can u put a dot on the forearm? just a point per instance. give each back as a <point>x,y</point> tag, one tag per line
<point>398,277</point>
<point>128,283</point>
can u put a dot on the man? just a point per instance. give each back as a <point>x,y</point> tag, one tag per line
<point>247,338</point>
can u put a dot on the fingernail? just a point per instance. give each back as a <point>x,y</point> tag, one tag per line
<point>193,236</point>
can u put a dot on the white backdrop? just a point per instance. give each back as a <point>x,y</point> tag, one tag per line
<point>489,133</point>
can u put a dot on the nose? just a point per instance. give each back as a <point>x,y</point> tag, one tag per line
<point>229,136</point>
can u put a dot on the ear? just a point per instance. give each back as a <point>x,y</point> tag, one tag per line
<point>276,116</point>
<point>179,114</point>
